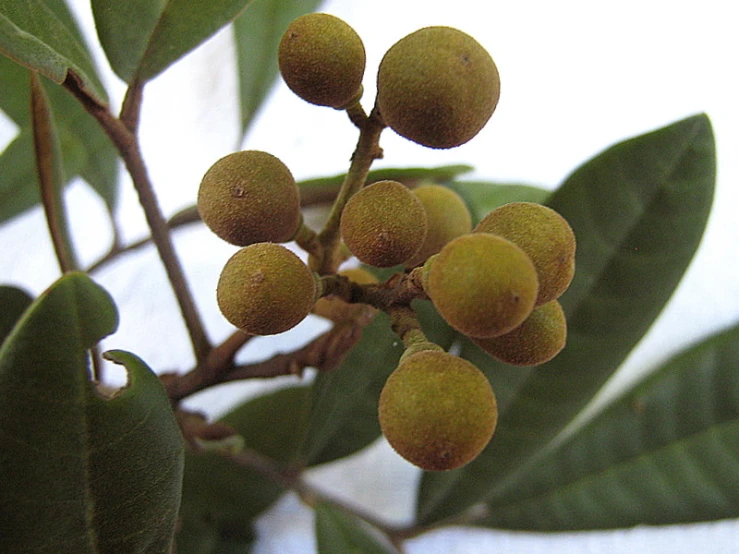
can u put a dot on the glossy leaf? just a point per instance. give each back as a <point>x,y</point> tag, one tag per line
<point>338,532</point>
<point>257,33</point>
<point>343,417</point>
<point>627,207</point>
<point>141,38</point>
<point>482,198</point>
<point>82,471</point>
<point>32,34</point>
<point>666,452</point>
<point>220,498</point>
<point>14,302</point>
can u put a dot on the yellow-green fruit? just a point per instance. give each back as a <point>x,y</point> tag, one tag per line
<point>438,87</point>
<point>265,289</point>
<point>447,216</point>
<point>537,340</point>
<point>482,285</point>
<point>322,60</point>
<point>544,235</point>
<point>384,224</point>
<point>248,197</point>
<point>437,411</point>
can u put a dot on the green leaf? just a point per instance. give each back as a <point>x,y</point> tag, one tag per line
<point>141,38</point>
<point>666,452</point>
<point>338,532</point>
<point>33,35</point>
<point>257,32</point>
<point>626,206</point>
<point>19,190</point>
<point>482,198</point>
<point>14,302</point>
<point>82,472</point>
<point>343,418</point>
<point>220,498</point>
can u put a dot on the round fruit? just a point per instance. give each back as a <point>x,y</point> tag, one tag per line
<point>447,216</point>
<point>437,411</point>
<point>544,235</point>
<point>483,285</point>
<point>438,87</point>
<point>322,60</point>
<point>248,197</point>
<point>383,224</point>
<point>537,340</point>
<point>265,289</point>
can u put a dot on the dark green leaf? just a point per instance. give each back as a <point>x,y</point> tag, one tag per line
<point>638,211</point>
<point>19,190</point>
<point>33,35</point>
<point>338,532</point>
<point>142,38</point>
<point>257,33</point>
<point>220,499</point>
<point>14,302</point>
<point>14,84</point>
<point>665,452</point>
<point>344,414</point>
<point>482,198</point>
<point>82,472</point>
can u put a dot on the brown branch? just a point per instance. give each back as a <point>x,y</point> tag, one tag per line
<point>126,141</point>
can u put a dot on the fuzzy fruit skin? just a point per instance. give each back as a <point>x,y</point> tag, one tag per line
<point>322,60</point>
<point>544,235</point>
<point>447,216</point>
<point>383,224</point>
<point>537,340</point>
<point>438,87</point>
<point>437,411</point>
<point>249,197</point>
<point>265,289</point>
<point>482,285</point>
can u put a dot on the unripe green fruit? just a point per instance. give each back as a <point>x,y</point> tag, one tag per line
<point>265,289</point>
<point>544,235</point>
<point>482,285</point>
<point>537,340</point>
<point>249,197</point>
<point>447,216</point>
<point>437,87</point>
<point>322,60</point>
<point>438,411</point>
<point>383,224</point>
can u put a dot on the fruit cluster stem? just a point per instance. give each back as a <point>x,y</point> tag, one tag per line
<point>367,150</point>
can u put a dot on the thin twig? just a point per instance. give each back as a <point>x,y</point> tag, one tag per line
<point>128,146</point>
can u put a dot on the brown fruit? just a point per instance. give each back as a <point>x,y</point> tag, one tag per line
<point>249,197</point>
<point>438,87</point>
<point>447,216</point>
<point>384,224</point>
<point>438,411</point>
<point>482,285</point>
<point>544,235</point>
<point>265,289</point>
<point>322,60</point>
<point>537,340</point>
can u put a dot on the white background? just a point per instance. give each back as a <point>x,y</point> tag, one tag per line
<point>577,76</point>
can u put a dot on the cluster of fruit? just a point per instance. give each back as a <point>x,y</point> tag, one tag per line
<point>497,283</point>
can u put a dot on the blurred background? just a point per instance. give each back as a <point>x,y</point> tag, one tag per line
<point>577,76</point>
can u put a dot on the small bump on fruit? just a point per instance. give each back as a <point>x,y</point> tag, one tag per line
<point>384,224</point>
<point>265,289</point>
<point>437,411</point>
<point>249,197</point>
